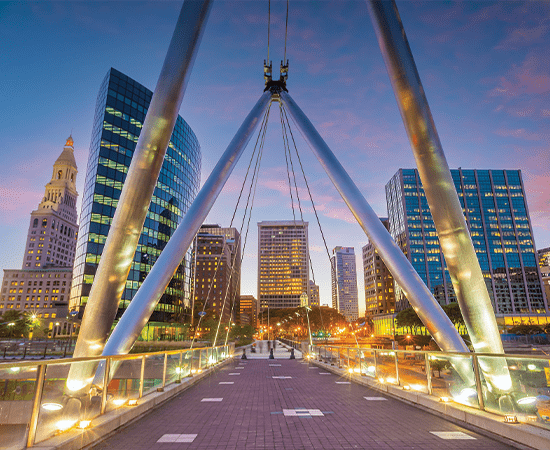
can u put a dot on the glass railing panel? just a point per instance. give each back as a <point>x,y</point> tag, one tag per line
<point>62,406</point>
<point>453,378</point>
<point>524,391</point>
<point>124,384</point>
<point>412,371</point>
<point>353,362</point>
<point>152,378</point>
<point>368,364</point>
<point>16,399</point>
<point>203,359</point>
<point>173,368</point>
<point>385,368</point>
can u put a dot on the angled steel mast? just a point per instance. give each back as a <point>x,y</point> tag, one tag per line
<point>452,230</point>
<point>125,230</point>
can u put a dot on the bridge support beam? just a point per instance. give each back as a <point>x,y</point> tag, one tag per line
<point>125,230</point>
<point>142,305</point>
<point>445,207</point>
<point>422,300</point>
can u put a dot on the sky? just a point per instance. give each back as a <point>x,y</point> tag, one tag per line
<point>484,67</point>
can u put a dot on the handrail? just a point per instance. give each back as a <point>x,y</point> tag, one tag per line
<point>524,395</point>
<point>34,363</point>
<point>80,409</point>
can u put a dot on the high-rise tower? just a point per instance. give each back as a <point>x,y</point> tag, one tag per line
<point>42,286</point>
<point>283,263</point>
<point>344,282</point>
<point>51,239</point>
<point>496,212</point>
<point>121,107</point>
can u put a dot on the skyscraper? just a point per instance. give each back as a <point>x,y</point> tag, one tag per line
<point>497,216</point>
<point>120,111</point>
<point>249,310</point>
<point>217,270</point>
<point>283,263</point>
<point>42,286</point>
<point>379,295</point>
<point>314,297</point>
<point>344,282</point>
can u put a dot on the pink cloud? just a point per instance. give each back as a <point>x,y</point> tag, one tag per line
<point>530,78</point>
<point>521,133</point>
<point>523,36</point>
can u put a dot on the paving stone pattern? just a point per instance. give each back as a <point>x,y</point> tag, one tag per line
<point>307,411</point>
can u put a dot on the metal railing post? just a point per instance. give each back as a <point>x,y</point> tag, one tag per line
<point>360,361</point>
<point>375,364</point>
<point>105,385</point>
<point>164,365</point>
<point>428,373</point>
<point>478,383</point>
<point>348,359</point>
<point>33,423</point>
<point>200,360</point>
<point>141,376</point>
<point>180,368</point>
<point>397,368</point>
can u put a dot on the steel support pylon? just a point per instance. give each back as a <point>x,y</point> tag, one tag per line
<point>127,224</point>
<point>142,305</point>
<point>437,182</point>
<point>424,303</point>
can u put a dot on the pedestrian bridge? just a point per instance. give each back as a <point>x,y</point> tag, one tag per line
<point>330,398</point>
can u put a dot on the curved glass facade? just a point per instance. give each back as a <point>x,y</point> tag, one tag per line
<point>120,111</point>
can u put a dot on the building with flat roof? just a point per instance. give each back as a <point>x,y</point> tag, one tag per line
<point>41,288</point>
<point>379,290</point>
<point>121,107</point>
<point>344,283</point>
<point>217,262</point>
<point>496,212</point>
<point>314,297</point>
<point>249,310</point>
<point>283,263</point>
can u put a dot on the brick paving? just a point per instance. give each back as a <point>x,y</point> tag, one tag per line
<point>306,411</point>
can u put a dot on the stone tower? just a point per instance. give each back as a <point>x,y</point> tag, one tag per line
<point>53,229</point>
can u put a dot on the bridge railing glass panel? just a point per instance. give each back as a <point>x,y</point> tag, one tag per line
<point>460,378</point>
<point>37,402</point>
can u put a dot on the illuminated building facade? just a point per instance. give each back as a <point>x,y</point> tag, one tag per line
<point>314,298</point>
<point>120,111</point>
<point>41,288</point>
<point>217,280</point>
<point>344,283</point>
<point>498,219</point>
<point>249,309</point>
<point>283,263</point>
<point>379,291</point>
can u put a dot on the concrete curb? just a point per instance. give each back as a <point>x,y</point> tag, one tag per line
<point>106,425</point>
<point>521,435</point>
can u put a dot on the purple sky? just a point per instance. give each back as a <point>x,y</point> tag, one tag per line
<point>484,65</point>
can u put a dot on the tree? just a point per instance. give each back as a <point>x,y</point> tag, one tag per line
<point>526,329</point>
<point>455,315</point>
<point>408,319</point>
<point>14,324</point>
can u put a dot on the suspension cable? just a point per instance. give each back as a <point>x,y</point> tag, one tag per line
<point>238,241</point>
<point>268,27</point>
<point>333,270</point>
<point>264,122</point>
<point>260,154</point>
<point>286,29</point>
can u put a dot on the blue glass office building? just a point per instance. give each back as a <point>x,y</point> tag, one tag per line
<point>496,212</point>
<point>120,111</point>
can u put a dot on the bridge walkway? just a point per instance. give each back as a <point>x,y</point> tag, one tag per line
<point>289,404</point>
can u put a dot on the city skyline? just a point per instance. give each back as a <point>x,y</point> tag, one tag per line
<point>479,63</point>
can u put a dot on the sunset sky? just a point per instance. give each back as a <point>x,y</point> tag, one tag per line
<point>485,67</point>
